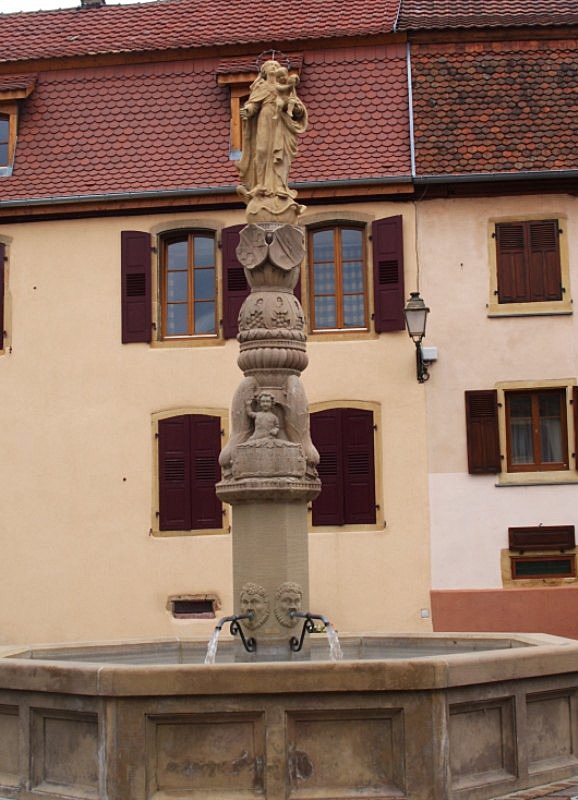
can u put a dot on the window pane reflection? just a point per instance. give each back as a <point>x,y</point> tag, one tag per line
<point>324,278</point>
<point>177,255</point>
<point>204,284</point>
<point>353,311</point>
<point>177,286</point>
<point>177,319</point>
<point>204,251</point>
<point>351,244</point>
<point>323,246</point>
<point>204,317</point>
<point>353,277</point>
<point>325,312</point>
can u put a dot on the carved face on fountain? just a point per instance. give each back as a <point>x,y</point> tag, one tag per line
<point>254,598</point>
<point>288,598</point>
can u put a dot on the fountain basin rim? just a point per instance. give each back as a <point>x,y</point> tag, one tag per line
<point>527,656</point>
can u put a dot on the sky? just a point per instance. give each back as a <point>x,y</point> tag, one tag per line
<point>6,6</point>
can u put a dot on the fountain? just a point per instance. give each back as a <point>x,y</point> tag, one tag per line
<point>429,717</point>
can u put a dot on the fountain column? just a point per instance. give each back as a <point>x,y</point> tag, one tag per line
<point>269,464</point>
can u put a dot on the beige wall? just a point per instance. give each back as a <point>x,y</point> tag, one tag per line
<point>470,515</point>
<point>77,454</point>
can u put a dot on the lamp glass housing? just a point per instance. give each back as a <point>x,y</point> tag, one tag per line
<point>416,313</point>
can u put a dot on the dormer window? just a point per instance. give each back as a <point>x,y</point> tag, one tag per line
<point>13,90</point>
<point>238,74</point>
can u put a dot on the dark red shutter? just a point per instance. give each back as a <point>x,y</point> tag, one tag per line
<point>175,473</point>
<point>388,288</point>
<point>358,466</point>
<point>482,432</point>
<point>329,507</point>
<point>136,286</point>
<point>2,274</point>
<point>512,273</point>
<point>235,286</point>
<point>544,260</point>
<point>575,407</point>
<point>206,508</point>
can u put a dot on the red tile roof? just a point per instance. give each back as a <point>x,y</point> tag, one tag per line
<point>165,126</point>
<point>495,108</point>
<point>12,82</point>
<point>432,14</point>
<point>186,23</point>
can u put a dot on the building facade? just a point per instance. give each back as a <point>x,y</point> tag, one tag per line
<point>119,133</point>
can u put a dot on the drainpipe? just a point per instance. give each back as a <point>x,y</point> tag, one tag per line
<point>410,108</point>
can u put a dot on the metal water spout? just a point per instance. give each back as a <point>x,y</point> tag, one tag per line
<point>296,644</point>
<point>250,644</point>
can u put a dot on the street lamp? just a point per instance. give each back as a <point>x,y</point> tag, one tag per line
<point>415,313</point>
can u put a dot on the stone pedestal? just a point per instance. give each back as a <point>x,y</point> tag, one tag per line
<point>269,464</point>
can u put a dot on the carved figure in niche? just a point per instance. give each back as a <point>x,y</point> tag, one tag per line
<point>256,318</point>
<point>273,118</point>
<point>280,314</point>
<point>254,598</point>
<point>288,597</point>
<point>299,318</point>
<point>241,423</point>
<point>265,419</point>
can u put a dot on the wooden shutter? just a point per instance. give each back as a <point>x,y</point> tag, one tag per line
<point>136,286</point>
<point>512,274</point>
<point>235,286</point>
<point>388,288</point>
<point>175,473</point>
<point>206,509</point>
<point>575,407</point>
<point>2,279</point>
<point>528,261</point>
<point>544,260</point>
<point>358,466</point>
<point>328,508</point>
<point>482,432</point>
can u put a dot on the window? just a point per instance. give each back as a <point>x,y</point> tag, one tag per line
<point>338,278</point>
<point>549,547</point>
<point>344,438</point>
<point>4,140</point>
<point>189,285</point>
<point>340,283</point>
<point>521,430</point>
<point>536,430</point>
<point>528,261</point>
<point>188,469</point>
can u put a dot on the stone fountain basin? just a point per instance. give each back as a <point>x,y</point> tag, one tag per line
<point>418,717</point>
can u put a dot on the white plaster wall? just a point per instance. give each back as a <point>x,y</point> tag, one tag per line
<point>469,514</point>
<point>75,440</point>
<point>470,524</point>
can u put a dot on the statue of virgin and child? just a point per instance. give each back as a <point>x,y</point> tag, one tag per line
<point>272,118</point>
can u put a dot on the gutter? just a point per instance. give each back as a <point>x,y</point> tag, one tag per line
<point>495,177</point>
<point>204,191</point>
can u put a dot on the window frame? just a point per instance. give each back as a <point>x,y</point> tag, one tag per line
<point>337,226</point>
<point>532,307</point>
<point>9,111</point>
<point>537,477</point>
<point>538,465</point>
<point>170,237</point>
<point>220,413</point>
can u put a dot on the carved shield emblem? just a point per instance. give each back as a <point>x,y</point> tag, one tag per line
<point>252,248</point>
<point>287,249</point>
